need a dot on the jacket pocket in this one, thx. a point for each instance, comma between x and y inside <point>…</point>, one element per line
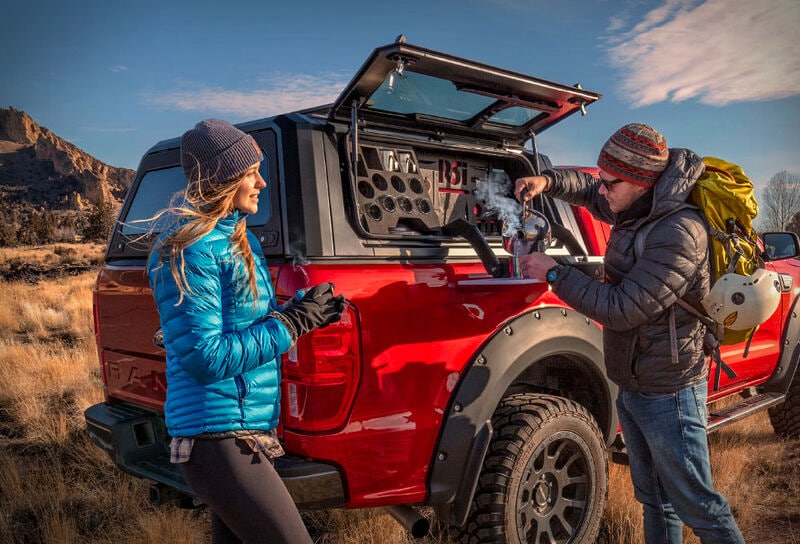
<point>673,337</point>
<point>621,351</point>
<point>632,354</point>
<point>241,391</point>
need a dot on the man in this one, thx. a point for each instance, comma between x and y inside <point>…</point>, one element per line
<point>654,348</point>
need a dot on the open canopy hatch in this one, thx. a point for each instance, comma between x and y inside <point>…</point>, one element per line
<point>411,88</point>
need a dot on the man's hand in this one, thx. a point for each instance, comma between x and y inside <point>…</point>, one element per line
<point>527,188</point>
<point>536,265</point>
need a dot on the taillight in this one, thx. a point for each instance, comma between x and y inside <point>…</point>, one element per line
<point>96,315</point>
<point>320,376</point>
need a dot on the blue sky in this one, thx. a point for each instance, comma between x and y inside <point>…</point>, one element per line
<point>721,77</point>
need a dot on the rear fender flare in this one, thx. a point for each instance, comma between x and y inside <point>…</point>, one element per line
<point>789,359</point>
<point>513,349</point>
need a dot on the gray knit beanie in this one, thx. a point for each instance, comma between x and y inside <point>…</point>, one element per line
<point>215,151</point>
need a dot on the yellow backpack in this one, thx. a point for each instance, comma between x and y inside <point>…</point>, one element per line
<point>726,198</point>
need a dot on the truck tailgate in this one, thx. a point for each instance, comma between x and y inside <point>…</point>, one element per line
<point>125,321</point>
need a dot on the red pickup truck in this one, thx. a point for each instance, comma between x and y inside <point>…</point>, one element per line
<point>447,383</point>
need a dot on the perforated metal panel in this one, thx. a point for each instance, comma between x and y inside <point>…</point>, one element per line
<point>390,190</point>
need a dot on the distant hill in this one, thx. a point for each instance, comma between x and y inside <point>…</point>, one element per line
<point>41,170</point>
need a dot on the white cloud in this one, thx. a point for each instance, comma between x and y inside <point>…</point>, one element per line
<point>280,93</point>
<point>119,68</point>
<point>617,22</point>
<point>717,52</point>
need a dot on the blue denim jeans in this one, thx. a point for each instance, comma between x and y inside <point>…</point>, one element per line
<point>665,435</point>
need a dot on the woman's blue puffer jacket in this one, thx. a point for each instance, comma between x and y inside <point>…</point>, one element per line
<point>223,354</point>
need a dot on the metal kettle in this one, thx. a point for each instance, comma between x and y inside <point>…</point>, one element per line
<point>533,235</point>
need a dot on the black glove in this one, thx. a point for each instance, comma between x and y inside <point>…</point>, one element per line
<point>318,308</point>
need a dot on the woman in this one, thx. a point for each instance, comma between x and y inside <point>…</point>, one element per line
<point>224,334</point>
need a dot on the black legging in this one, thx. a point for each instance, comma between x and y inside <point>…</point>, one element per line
<point>249,503</point>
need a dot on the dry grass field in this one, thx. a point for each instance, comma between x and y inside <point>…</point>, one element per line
<point>56,487</point>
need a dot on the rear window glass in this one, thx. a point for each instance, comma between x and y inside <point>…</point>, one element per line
<point>413,93</point>
<point>156,191</point>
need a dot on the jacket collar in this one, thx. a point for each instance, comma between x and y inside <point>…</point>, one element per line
<point>227,224</point>
<point>639,209</point>
<point>673,186</point>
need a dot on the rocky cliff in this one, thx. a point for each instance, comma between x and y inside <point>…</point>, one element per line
<point>37,168</point>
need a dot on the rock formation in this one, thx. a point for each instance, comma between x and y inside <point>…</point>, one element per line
<point>38,168</point>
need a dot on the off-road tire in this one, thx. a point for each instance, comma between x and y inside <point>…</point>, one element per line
<point>785,418</point>
<point>545,476</point>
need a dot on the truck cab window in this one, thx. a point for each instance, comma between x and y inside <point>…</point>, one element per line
<point>158,189</point>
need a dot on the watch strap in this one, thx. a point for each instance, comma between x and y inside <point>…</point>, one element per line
<point>552,274</point>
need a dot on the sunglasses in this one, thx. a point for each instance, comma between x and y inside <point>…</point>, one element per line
<point>610,184</point>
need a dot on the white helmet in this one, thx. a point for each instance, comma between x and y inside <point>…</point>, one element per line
<point>742,302</point>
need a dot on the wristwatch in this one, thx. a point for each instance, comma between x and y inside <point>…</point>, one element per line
<point>553,273</point>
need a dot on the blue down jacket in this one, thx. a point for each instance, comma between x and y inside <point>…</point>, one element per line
<point>651,344</point>
<point>223,354</point>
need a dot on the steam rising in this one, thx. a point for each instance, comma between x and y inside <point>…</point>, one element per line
<point>493,194</point>
<point>298,265</point>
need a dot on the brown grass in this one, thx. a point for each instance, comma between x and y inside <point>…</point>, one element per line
<point>757,472</point>
<point>54,253</point>
<point>57,487</point>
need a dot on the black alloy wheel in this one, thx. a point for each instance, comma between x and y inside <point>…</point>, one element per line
<point>545,477</point>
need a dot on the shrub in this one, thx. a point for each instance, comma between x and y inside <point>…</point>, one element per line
<point>99,221</point>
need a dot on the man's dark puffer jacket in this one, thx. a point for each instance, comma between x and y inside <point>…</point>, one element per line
<point>652,345</point>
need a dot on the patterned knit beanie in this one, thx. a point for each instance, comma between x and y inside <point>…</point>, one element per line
<point>636,153</point>
<point>215,151</point>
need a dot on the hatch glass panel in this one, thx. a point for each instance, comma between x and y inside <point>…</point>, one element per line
<point>420,94</point>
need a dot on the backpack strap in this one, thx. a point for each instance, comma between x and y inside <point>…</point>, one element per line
<point>711,343</point>
<point>641,236</point>
<point>644,230</point>
<point>716,357</point>
<point>730,241</point>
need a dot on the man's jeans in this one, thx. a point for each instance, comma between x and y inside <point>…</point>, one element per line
<point>665,435</point>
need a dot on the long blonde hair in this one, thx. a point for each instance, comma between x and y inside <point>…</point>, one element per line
<point>197,211</point>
